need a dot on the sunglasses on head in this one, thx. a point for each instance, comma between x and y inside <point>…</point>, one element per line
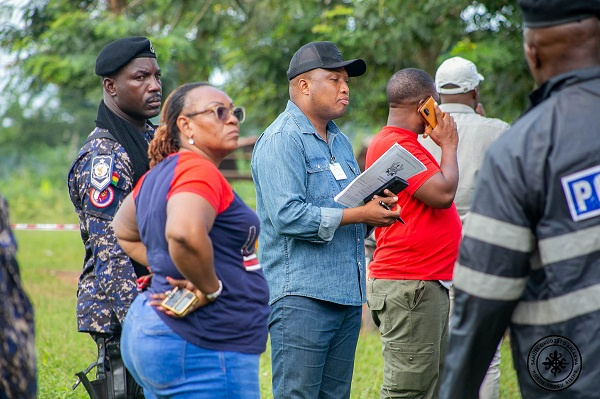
<point>222,112</point>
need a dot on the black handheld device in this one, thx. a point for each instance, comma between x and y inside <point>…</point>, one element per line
<point>395,185</point>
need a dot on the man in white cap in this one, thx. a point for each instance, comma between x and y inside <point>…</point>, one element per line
<point>457,82</point>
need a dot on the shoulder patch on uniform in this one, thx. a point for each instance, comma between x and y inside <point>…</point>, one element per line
<point>101,173</point>
<point>582,190</point>
<point>102,199</point>
<point>115,178</point>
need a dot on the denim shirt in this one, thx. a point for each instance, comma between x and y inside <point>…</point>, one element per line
<point>302,247</point>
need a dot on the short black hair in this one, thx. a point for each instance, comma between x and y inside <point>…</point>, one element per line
<point>409,85</point>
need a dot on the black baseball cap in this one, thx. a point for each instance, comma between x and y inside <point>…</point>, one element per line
<point>323,55</point>
<point>115,55</point>
<point>546,13</point>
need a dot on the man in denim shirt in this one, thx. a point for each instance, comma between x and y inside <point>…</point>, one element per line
<point>311,248</point>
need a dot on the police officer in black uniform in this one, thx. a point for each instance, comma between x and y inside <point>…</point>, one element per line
<point>106,169</point>
<point>530,258</point>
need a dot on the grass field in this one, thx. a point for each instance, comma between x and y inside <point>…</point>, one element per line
<point>50,263</point>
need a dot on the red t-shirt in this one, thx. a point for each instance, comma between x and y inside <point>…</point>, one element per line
<point>426,247</point>
<point>237,320</point>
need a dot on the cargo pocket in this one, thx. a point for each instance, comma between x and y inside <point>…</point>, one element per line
<point>409,367</point>
<point>376,304</point>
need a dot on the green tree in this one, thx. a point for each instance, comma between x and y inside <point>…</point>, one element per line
<point>249,43</point>
<point>494,44</point>
<point>51,99</point>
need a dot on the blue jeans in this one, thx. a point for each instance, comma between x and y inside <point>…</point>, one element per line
<point>167,366</point>
<point>312,347</point>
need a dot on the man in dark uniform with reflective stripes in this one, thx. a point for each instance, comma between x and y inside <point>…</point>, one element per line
<point>106,169</point>
<point>530,257</point>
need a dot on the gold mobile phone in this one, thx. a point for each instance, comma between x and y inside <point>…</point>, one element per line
<point>179,301</point>
<point>427,112</point>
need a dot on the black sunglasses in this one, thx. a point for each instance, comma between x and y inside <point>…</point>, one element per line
<point>222,112</point>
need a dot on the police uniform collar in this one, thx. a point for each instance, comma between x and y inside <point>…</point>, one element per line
<point>563,80</point>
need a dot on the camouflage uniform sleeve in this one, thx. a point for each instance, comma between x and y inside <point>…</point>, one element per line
<point>112,267</point>
<point>17,351</point>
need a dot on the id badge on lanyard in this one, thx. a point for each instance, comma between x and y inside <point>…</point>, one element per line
<point>337,171</point>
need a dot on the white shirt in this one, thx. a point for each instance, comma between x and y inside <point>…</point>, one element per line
<point>475,134</point>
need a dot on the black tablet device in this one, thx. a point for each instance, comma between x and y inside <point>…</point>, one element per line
<point>395,185</point>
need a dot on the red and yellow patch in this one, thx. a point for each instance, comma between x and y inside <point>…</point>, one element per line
<point>102,199</point>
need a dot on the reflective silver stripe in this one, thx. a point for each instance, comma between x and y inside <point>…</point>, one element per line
<point>568,246</point>
<point>488,286</point>
<point>501,234</point>
<point>559,309</point>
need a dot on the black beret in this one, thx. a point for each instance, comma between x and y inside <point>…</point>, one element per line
<point>545,13</point>
<point>115,55</point>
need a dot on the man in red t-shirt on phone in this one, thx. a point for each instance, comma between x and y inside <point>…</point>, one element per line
<point>412,266</point>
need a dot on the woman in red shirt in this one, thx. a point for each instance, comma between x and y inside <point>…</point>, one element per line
<point>184,220</point>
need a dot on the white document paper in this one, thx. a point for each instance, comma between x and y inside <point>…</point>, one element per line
<point>396,161</point>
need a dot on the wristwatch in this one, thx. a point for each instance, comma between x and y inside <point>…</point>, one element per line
<point>215,295</point>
